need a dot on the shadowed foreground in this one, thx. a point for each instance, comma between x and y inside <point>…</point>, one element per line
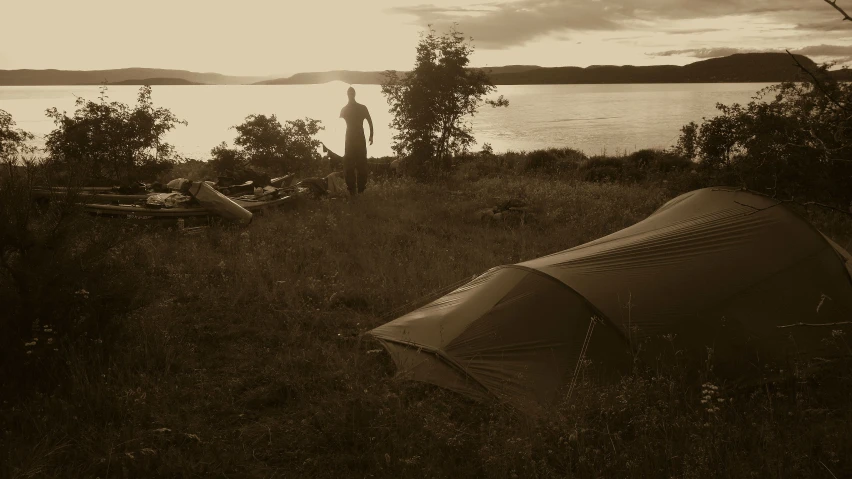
<point>243,359</point>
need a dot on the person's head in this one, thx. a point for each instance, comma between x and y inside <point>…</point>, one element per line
<point>351,93</point>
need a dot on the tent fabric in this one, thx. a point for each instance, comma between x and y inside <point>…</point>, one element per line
<point>715,268</point>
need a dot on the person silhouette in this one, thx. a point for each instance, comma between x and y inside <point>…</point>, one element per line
<point>355,152</point>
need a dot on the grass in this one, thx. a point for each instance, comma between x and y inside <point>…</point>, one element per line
<point>244,359</point>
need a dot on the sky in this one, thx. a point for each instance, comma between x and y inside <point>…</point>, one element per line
<point>282,37</point>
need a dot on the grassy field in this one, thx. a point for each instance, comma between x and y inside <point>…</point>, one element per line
<point>240,355</point>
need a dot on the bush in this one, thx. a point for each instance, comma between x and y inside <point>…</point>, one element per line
<point>642,165</point>
<point>110,142</point>
<point>13,142</point>
<point>601,169</point>
<point>266,145</point>
<point>658,161</point>
<point>796,144</point>
<point>196,170</point>
<point>541,160</point>
<point>553,160</point>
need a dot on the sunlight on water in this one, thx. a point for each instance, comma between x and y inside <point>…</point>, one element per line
<point>592,118</point>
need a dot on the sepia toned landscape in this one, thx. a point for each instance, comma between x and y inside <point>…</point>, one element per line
<point>413,283</point>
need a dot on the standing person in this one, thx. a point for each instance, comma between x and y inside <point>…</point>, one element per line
<point>355,154</point>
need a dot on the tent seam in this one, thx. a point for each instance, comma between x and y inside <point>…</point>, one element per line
<point>443,356</point>
<point>591,305</point>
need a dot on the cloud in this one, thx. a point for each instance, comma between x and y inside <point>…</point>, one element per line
<point>707,52</point>
<point>692,31</point>
<point>516,23</point>
<point>825,50</point>
<point>825,26</point>
<point>840,54</point>
<point>507,24</point>
<point>813,50</point>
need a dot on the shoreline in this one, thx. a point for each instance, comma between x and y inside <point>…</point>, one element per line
<point>749,82</point>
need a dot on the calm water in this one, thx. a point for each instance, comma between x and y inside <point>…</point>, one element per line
<point>591,118</point>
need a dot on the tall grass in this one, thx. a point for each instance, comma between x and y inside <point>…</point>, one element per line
<point>246,359</point>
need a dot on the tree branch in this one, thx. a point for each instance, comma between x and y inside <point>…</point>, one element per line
<point>809,203</point>
<point>805,204</point>
<point>817,82</point>
<point>840,323</point>
<point>833,3</point>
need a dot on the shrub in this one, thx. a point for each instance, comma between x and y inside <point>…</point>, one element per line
<point>110,142</point>
<point>543,160</point>
<point>796,144</point>
<point>263,143</point>
<point>189,168</point>
<point>13,141</point>
<point>657,161</point>
<point>601,168</point>
<point>553,160</point>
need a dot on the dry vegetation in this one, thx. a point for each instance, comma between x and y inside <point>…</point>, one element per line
<point>237,353</point>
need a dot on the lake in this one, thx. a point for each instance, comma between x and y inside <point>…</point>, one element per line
<point>591,118</point>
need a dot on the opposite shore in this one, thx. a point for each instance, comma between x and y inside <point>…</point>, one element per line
<point>737,68</point>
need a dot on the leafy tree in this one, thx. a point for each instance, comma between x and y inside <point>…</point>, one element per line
<point>13,142</point>
<point>432,103</point>
<point>793,140</point>
<point>112,142</point>
<point>267,145</point>
<point>686,143</point>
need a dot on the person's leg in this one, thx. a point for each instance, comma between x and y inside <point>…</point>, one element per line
<point>363,172</point>
<point>349,173</point>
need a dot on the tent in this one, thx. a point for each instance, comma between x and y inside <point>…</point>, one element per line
<point>716,268</point>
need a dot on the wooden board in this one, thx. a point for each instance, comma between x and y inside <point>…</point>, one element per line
<point>143,212</point>
<point>90,195</point>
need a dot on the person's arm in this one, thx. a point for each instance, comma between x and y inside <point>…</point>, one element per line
<point>370,121</point>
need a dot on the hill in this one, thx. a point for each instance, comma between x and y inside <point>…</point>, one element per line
<point>737,68</point>
<point>312,78</point>
<point>369,78</point>
<point>157,81</point>
<point>96,77</point>
<point>741,67</point>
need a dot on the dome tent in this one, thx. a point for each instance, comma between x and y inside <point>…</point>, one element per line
<point>716,268</point>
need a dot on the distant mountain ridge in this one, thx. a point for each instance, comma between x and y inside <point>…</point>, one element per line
<point>157,81</point>
<point>370,77</point>
<point>313,78</point>
<point>96,77</point>
<point>737,68</point>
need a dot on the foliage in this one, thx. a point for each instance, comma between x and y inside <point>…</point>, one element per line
<point>431,104</point>
<point>192,169</point>
<point>792,140</point>
<point>112,142</point>
<point>553,160</point>
<point>642,166</point>
<point>265,144</point>
<point>225,159</point>
<point>12,141</point>
<point>687,141</point>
